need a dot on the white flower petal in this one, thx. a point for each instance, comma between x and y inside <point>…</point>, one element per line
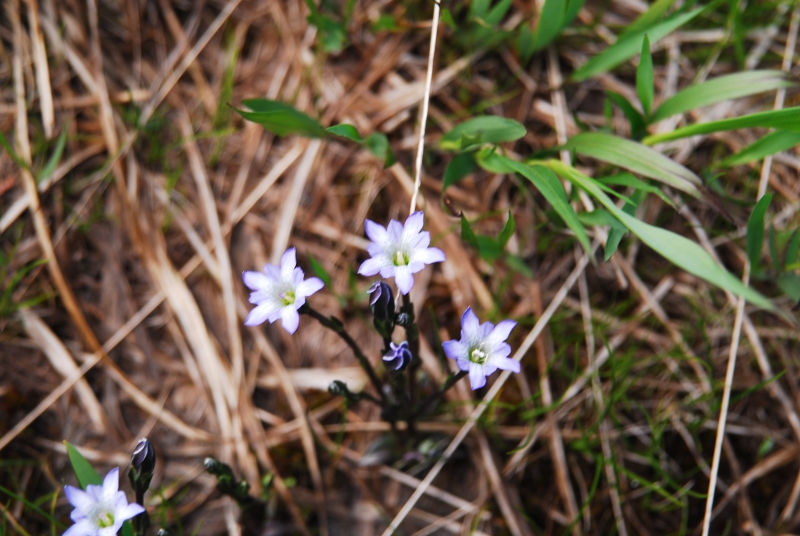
<point>414,224</point>
<point>469,325</point>
<point>82,528</point>
<point>297,276</point>
<point>415,266</point>
<point>506,363</point>
<point>388,270</point>
<point>395,232</point>
<point>371,266</point>
<point>464,364</point>
<point>256,280</point>
<point>421,241</point>
<point>376,233</point>
<point>308,287</point>
<point>375,250</point>
<point>403,279</point>
<point>82,501</point>
<point>260,314</point>
<point>477,378</point>
<point>290,319</point>
<point>272,272</point>
<point>500,333</point>
<point>429,255</point>
<point>455,349</point>
<point>129,511</point>
<point>109,531</point>
<point>288,264</point>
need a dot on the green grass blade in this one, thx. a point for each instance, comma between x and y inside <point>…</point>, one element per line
<point>55,158</point>
<point>635,157</point>
<point>551,21</point>
<point>644,77</point>
<point>479,130</point>
<point>755,231</point>
<point>650,17</point>
<point>629,44</point>
<point>635,119</point>
<point>787,119</point>
<point>346,131</point>
<point>280,118</point>
<point>546,182</point>
<point>677,249</point>
<point>731,86</point>
<point>507,232</point>
<point>772,143</point>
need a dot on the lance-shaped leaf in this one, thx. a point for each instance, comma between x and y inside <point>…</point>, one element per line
<point>479,130</point>
<point>280,118</point>
<point>755,232</point>
<point>644,77</point>
<point>772,143</point>
<point>731,86</point>
<point>677,249</point>
<point>635,157</point>
<point>788,119</point>
<point>629,44</point>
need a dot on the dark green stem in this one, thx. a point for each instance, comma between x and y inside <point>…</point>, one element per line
<point>336,325</point>
<point>451,381</point>
<point>412,336</point>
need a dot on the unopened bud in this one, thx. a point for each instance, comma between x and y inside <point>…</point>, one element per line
<point>143,458</point>
<point>381,304</point>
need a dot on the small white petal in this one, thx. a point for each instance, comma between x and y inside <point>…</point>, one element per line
<point>421,241</point>
<point>500,333</point>
<point>82,501</point>
<point>376,233</point>
<point>288,264</point>
<point>477,378</point>
<point>128,511</point>
<point>414,224</point>
<point>388,270</point>
<point>297,276</point>
<point>259,315</point>
<point>469,324</point>
<point>309,287</point>
<point>429,255</point>
<point>415,266</point>
<point>375,250</point>
<point>109,531</point>
<point>371,266</point>
<point>455,349</point>
<point>273,272</point>
<point>404,279</point>
<point>463,364</point>
<point>256,280</point>
<point>290,319</point>
<point>395,231</point>
<point>507,364</point>
<point>82,528</point>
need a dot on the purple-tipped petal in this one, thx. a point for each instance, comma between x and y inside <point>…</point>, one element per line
<point>273,272</point>
<point>477,378</point>
<point>470,323</point>
<point>290,319</point>
<point>371,266</point>
<point>395,231</point>
<point>455,349</point>
<point>288,264</point>
<point>259,315</point>
<point>309,287</point>
<point>429,255</point>
<point>82,528</point>
<point>506,363</point>
<point>414,223</point>
<point>376,233</point>
<point>500,333</point>
<point>78,498</point>
<point>129,511</point>
<point>256,280</point>
<point>404,279</point>
<point>422,241</point>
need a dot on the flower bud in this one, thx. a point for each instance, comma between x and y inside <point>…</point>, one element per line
<point>339,388</point>
<point>399,356</point>
<point>381,304</point>
<point>143,458</point>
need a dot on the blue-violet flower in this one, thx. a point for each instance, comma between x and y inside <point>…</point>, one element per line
<point>100,510</point>
<point>279,292</point>
<point>399,356</point>
<point>482,348</point>
<point>399,250</point>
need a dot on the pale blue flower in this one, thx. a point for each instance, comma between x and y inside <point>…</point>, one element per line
<point>399,250</point>
<point>482,348</point>
<point>399,356</point>
<point>279,292</point>
<point>100,510</point>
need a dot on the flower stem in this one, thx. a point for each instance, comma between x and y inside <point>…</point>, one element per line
<point>336,325</point>
<point>412,336</point>
<point>451,381</point>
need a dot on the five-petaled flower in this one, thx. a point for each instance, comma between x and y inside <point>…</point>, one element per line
<point>399,356</point>
<point>482,348</point>
<point>100,510</point>
<point>278,292</point>
<point>399,250</point>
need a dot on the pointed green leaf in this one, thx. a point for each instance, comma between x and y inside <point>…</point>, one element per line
<point>346,131</point>
<point>635,119</point>
<point>755,231</point>
<point>320,271</point>
<point>479,130</point>
<point>507,232</point>
<point>626,179</point>
<point>467,235</point>
<point>773,247</point>
<point>459,167</point>
<point>790,285</point>
<point>649,17</point>
<point>635,157</point>
<point>787,119</point>
<point>644,77</point>
<point>772,143</point>
<point>378,144</point>
<point>722,88</point>
<point>83,469</point>
<point>551,21</point>
<point>281,119</point>
<point>677,249</point>
<point>55,158</point>
<point>616,231</point>
<point>629,44</point>
<point>791,249</point>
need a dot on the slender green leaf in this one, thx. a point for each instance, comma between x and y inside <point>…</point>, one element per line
<point>755,231</point>
<point>346,131</point>
<point>773,247</point>
<point>677,249</point>
<point>12,153</point>
<point>616,231</point>
<point>629,44</point>
<point>635,119</point>
<point>772,143</point>
<point>790,285</point>
<point>791,249</point>
<point>459,167</point>
<point>507,232</point>
<point>635,157</point>
<point>378,144</point>
<point>644,77</point>
<point>320,271</point>
<point>626,179</point>
<point>649,17</point>
<point>479,130</point>
<point>54,159</point>
<point>280,118</point>
<point>551,22</point>
<point>546,182</point>
<point>722,88</point>
<point>83,469</point>
<point>525,48</point>
<point>467,235</point>
<point>787,119</point>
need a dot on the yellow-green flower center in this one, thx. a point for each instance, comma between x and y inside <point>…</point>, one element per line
<point>288,297</point>
<point>400,259</point>
<point>105,520</point>
<point>477,356</point>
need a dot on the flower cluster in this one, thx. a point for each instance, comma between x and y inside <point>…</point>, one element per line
<point>397,251</point>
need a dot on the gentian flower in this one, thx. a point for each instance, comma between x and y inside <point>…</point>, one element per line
<point>399,356</point>
<point>482,348</point>
<point>100,510</point>
<point>399,251</point>
<point>279,292</point>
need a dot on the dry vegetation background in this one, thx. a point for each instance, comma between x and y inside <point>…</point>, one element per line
<point>163,196</point>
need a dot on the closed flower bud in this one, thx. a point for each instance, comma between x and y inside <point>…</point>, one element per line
<point>144,457</point>
<point>381,304</point>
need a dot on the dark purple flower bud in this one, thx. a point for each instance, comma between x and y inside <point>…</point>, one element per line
<point>143,459</point>
<point>399,356</point>
<point>381,303</point>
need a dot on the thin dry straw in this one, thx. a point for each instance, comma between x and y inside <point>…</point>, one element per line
<point>425,99</point>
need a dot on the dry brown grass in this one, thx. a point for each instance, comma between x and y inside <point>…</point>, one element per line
<point>157,206</point>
